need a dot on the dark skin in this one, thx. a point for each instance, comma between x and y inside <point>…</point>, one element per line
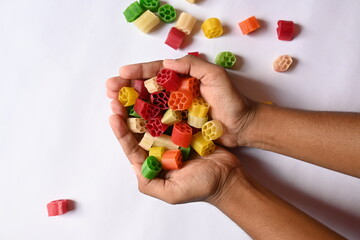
<point>219,178</point>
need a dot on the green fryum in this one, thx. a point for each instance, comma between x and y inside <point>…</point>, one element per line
<point>151,167</point>
<point>133,11</point>
<point>225,59</point>
<point>132,112</point>
<point>152,5</point>
<point>185,152</point>
<point>167,13</point>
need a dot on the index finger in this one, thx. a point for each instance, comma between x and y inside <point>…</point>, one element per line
<point>141,70</point>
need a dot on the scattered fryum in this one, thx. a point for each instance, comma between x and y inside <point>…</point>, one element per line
<point>285,30</point>
<point>57,207</point>
<point>174,121</point>
<point>225,59</point>
<point>212,28</point>
<point>249,25</point>
<point>282,63</point>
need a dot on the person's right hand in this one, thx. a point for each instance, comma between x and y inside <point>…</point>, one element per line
<point>235,111</point>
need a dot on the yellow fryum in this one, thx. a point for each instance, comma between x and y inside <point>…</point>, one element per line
<point>157,152</point>
<point>136,125</point>
<point>212,28</point>
<point>147,21</point>
<point>152,86</point>
<point>171,117</point>
<point>164,141</point>
<point>212,130</point>
<point>202,146</point>
<point>199,108</point>
<point>147,141</point>
<point>127,96</point>
<point>185,23</point>
<point>196,121</point>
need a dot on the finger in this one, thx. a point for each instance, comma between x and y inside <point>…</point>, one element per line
<point>141,70</point>
<point>112,94</point>
<point>127,140</point>
<point>118,108</point>
<point>114,84</point>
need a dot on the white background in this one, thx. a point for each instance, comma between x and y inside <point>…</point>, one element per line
<point>55,141</point>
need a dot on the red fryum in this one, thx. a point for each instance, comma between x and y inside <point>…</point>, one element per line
<point>141,89</point>
<point>285,30</point>
<point>180,101</point>
<point>190,84</point>
<point>57,207</point>
<point>155,127</point>
<point>168,79</point>
<point>181,134</point>
<point>160,99</point>
<point>175,38</point>
<point>146,110</point>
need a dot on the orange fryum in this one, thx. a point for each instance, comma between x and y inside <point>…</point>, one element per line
<point>249,25</point>
<point>190,85</point>
<point>171,159</point>
<point>180,100</point>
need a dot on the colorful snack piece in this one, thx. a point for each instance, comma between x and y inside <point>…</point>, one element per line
<point>167,13</point>
<point>147,141</point>
<point>147,21</point>
<point>249,25</point>
<point>196,54</point>
<point>127,96</point>
<point>164,141</point>
<point>139,86</point>
<point>285,30</point>
<point>57,207</point>
<point>171,159</point>
<point>202,146</point>
<point>225,59</point>
<point>133,11</point>
<point>191,85</point>
<point>151,167</point>
<point>152,5</point>
<point>171,117</point>
<point>199,108</point>
<point>152,85</point>
<point>174,38</point>
<point>136,125</point>
<point>181,134</point>
<point>185,23</point>
<point>196,122</point>
<point>157,152</point>
<point>132,112</point>
<point>282,63</point>
<point>212,130</point>
<point>168,79</point>
<point>146,110</point>
<point>185,152</point>
<point>212,28</point>
<point>155,127</point>
<point>179,101</point>
<point>160,99</point>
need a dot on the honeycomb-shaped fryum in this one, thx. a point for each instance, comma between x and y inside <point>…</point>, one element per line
<point>147,21</point>
<point>127,96</point>
<point>285,30</point>
<point>133,11</point>
<point>212,28</point>
<point>190,85</point>
<point>168,79</point>
<point>151,167</point>
<point>175,38</point>
<point>132,112</point>
<point>155,127</point>
<point>225,59</point>
<point>152,86</point>
<point>157,152</point>
<point>212,130</point>
<point>152,5</point>
<point>171,117</point>
<point>146,110</point>
<point>147,141</point>
<point>249,25</point>
<point>202,146</point>
<point>282,63</point>
<point>180,101</point>
<point>164,141</point>
<point>171,159</point>
<point>167,13</point>
<point>185,152</point>
<point>181,134</point>
<point>196,122</point>
<point>185,23</point>
<point>160,99</point>
<point>136,125</point>
<point>199,108</point>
